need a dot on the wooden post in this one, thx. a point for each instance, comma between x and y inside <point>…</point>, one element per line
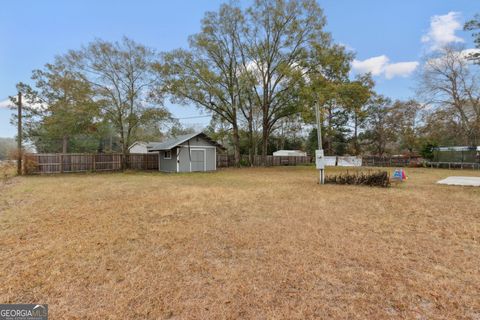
<point>93,163</point>
<point>61,163</point>
<point>19,135</point>
<point>321,178</point>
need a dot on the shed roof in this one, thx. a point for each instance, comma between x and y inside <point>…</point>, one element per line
<point>178,140</point>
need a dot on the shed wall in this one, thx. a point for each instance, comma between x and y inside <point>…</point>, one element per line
<point>197,141</point>
<point>168,165</point>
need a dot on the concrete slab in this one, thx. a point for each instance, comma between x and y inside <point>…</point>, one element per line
<point>461,181</point>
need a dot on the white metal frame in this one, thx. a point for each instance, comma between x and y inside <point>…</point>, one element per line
<point>178,160</point>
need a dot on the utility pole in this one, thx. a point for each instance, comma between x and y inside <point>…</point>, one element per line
<point>19,135</point>
<point>319,158</point>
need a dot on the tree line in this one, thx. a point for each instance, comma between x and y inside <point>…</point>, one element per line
<point>260,72</point>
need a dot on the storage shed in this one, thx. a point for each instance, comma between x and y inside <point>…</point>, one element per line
<point>187,153</point>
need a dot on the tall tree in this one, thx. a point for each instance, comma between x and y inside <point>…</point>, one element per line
<point>327,85</point>
<point>59,108</point>
<point>355,96</point>
<point>279,36</point>
<point>379,127</point>
<point>406,121</point>
<point>122,77</point>
<point>208,74</point>
<point>69,107</point>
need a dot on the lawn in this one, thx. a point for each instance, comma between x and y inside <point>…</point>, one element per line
<point>264,243</point>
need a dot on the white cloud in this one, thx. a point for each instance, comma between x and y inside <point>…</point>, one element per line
<point>401,69</point>
<point>374,65</point>
<point>381,65</point>
<point>467,53</point>
<point>346,46</point>
<point>5,104</point>
<point>442,30</point>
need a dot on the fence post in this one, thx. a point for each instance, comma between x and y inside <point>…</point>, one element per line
<point>93,163</point>
<point>61,163</point>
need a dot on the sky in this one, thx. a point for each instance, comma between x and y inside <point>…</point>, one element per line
<point>389,38</point>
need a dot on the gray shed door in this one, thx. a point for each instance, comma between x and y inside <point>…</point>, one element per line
<point>198,160</point>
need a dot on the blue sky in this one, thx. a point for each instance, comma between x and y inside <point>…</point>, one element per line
<point>388,37</point>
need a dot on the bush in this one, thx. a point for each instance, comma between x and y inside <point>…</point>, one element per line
<point>427,150</point>
<point>244,163</point>
<point>29,165</point>
<point>373,179</point>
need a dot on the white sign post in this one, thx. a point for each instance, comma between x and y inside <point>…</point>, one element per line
<point>320,164</point>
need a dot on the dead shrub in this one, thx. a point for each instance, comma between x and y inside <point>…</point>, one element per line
<point>373,179</point>
<point>7,170</point>
<point>29,164</point>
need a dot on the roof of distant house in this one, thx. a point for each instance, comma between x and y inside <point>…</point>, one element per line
<point>143,143</point>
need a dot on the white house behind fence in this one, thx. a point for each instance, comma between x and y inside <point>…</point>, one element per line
<point>138,147</point>
<point>289,153</point>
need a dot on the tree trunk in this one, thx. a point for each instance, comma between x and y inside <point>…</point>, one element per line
<point>250,137</point>
<point>355,136</point>
<point>236,145</point>
<point>123,142</point>
<point>328,133</point>
<point>264,144</point>
<point>65,144</point>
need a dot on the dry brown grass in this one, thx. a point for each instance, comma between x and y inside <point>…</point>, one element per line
<point>7,171</point>
<point>246,243</point>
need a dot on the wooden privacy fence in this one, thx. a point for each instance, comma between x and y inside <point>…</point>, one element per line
<point>37,163</point>
<point>224,160</point>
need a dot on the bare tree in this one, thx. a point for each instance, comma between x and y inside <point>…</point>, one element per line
<point>122,77</point>
<point>450,82</point>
